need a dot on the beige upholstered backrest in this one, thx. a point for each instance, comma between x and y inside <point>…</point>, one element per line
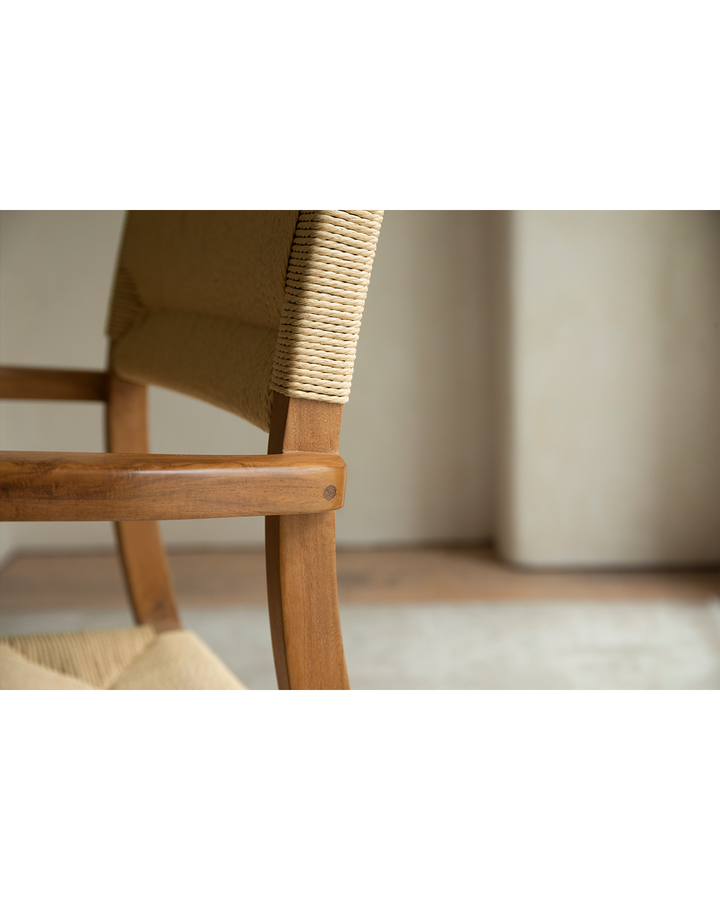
<point>229,306</point>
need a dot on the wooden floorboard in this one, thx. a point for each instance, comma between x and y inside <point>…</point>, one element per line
<point>389,575</point>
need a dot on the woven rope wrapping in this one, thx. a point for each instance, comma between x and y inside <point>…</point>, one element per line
<point>327,281</point>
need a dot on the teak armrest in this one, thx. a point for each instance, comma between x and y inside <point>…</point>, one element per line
<point>118,487</point>
<point>20,383</point>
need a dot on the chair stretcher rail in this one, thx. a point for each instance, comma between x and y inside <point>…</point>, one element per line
<point>20,383</point>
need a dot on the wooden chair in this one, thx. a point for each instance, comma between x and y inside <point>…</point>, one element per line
<point>255,312</point>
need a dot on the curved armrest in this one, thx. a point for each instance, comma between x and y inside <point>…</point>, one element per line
<point>118,487</point>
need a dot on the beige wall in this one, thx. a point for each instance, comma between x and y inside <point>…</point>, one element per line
<point>611,362</point>
<point>417,432</point>
<point>416,435</point>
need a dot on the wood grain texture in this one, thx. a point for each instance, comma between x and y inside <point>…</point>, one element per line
<point>20,383</point>
<point>302,580</point>
<point>116,487</point>
<point>304,425</point>
<point>142,554</point>
<point>300,559</point>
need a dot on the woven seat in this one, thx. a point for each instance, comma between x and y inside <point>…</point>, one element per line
<point>116,659</point>
<point>257,313</point>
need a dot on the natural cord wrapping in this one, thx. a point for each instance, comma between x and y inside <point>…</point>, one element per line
<point>327,282</point>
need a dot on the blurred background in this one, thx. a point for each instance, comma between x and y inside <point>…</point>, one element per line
<point>541,389</point>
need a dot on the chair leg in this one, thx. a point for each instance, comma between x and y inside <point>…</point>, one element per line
<point>146,575</point>
<point>300,558</point>
<point>303,602</point>
<point>141,550</point>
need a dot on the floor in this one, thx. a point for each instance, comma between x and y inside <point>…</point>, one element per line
<point>417,618</point>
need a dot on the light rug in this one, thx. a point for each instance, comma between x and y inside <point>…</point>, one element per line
<point>520,644</point>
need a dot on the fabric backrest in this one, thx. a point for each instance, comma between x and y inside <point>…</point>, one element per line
<point>228,306</point>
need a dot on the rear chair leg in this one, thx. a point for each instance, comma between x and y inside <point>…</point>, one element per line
<point>141,550</point>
